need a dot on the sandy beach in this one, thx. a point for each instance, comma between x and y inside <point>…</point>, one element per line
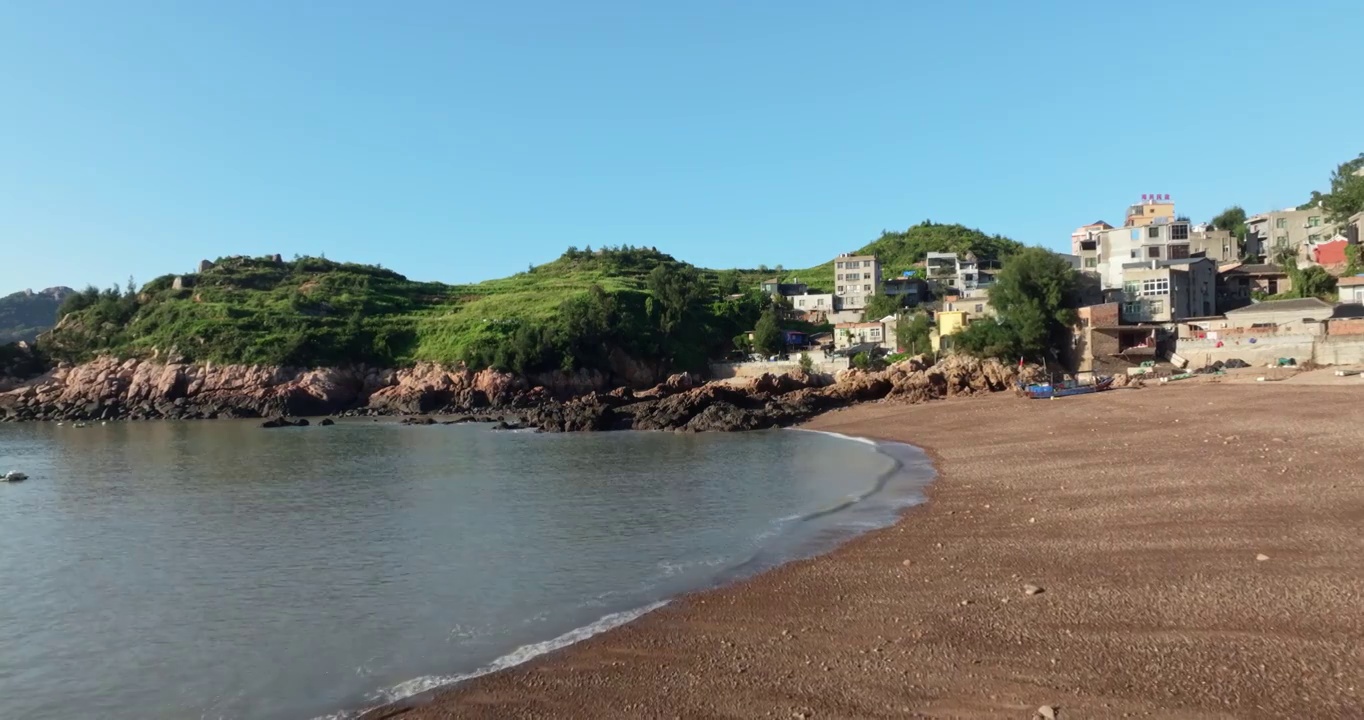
<point>1199,551</point>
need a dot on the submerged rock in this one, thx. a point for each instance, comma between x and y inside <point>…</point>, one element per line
<point>15,476</point>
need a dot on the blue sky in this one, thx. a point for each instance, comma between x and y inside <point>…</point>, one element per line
<point>459,141</point>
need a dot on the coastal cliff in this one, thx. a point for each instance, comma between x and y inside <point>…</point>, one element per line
<point>112,389</point>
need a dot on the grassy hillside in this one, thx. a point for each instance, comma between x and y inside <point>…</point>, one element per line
<point>24,315</point>
<point>313,311</point>
<point>899,251</point>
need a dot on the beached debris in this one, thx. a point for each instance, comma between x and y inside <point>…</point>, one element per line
<point>15,476</point>
<point>1046,711</point>
<point>1031,589</point>
<point>1261,557</point>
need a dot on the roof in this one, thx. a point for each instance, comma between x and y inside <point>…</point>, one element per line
<point>1281,305</point>
<point>1352,281</point>
<point>1183,261</point>
<point>1254,269</point>
<point>1348,310</point>
<point>857,325</point>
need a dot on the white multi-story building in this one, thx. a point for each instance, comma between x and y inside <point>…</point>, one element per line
<point>856,279</point>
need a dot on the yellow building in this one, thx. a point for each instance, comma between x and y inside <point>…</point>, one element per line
<point>1153,208</point>
<point>949,323</point>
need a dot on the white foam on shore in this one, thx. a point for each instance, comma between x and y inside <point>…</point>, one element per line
<point>854,438</point>
<point>525,653</point>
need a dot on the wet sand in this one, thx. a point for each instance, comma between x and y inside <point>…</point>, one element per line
<point>1141,514</point>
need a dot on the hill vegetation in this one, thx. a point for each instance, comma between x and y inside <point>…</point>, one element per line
<point>585,310</point>
<point>25,314</point>
<point>900,251</point>
<point>574,312</point>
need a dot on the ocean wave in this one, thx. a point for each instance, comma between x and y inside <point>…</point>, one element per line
<point>426,683</point>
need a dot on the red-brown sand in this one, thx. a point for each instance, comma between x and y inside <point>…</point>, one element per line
<point>1200,551</point>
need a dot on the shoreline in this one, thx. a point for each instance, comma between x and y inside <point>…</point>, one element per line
<point>1143,608</point>
<point>894,502</point>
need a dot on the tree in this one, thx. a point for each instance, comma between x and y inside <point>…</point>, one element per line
<point>1347,191</point>
<point>677,289</point>
<point>1034,296</point>
<point>806,362</point>
<point>727,282</point>
<point>861,361</point>
<point>879,306</point>
<point>912,333</point>
<point>1314,282</point>
<point>1233,220</point>
<point>767,336</point>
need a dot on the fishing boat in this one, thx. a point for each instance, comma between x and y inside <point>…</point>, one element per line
<point>1066,388</point>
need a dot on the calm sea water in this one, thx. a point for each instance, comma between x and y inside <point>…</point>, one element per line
<point>219,570</point>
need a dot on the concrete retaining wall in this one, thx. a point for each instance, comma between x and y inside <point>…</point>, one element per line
<point>1327,350</point>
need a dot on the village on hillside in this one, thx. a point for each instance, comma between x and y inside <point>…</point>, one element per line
<point>1160,292</point>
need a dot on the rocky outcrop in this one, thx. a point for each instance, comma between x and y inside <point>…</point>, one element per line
<point>110,389</point>
<point>772,400</point>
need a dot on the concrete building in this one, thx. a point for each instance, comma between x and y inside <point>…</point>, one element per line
<point>910,290</point>
<point>976,305</point>
<point>965,273</point>
<point>1086,233</point>
<point>1153,208</point>
<point>1238,283</point>
<point>1280,313</point>
<point>1330,252</point>
<point>847,335</point>
<point>1165,291</point>
<point>813,303</point>
<point>946,323</point>
<point>1351,289</point>
<point>1268,234</point>
<point>775,286</point>
<point>856,279</point>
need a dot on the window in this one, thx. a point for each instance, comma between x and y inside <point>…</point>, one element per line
<point>1281,223</point>
<point>1153,251</point>
<point>800,302</point>
<point>980,308</point>
<point>1281,241</point>
<point>1136,233</point>
<point>875,334</point>
<point>1178,252</point>
<point>1150,211</point>
<point>1131,289</point>
<point>1132,308</point>
<point>866,263</point>
<point>841,289</point>
<point>1153,231</point>
<point>1157,307</point>
<point>866,288</point>
<point>840,277</point>
<point>1179,231</point>
<point>1314,221</point>
<point>1314,237</point>
<point>838,265</point>
<point>1091,262</point>
<point>819,302</point>
<point>1160,286</point>
<point>1135,255</point>
<point>853,277</point>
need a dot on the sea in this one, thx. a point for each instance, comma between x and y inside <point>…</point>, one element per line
<point>218,570</point>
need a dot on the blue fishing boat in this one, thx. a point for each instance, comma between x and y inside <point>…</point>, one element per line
<point>1066,388</point>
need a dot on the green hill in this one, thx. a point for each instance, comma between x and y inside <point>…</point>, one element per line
<point>23,315</point>
<point>569,313</point>
<point>899,251</point>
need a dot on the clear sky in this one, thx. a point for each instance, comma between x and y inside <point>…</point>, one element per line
<point>459,141</point>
